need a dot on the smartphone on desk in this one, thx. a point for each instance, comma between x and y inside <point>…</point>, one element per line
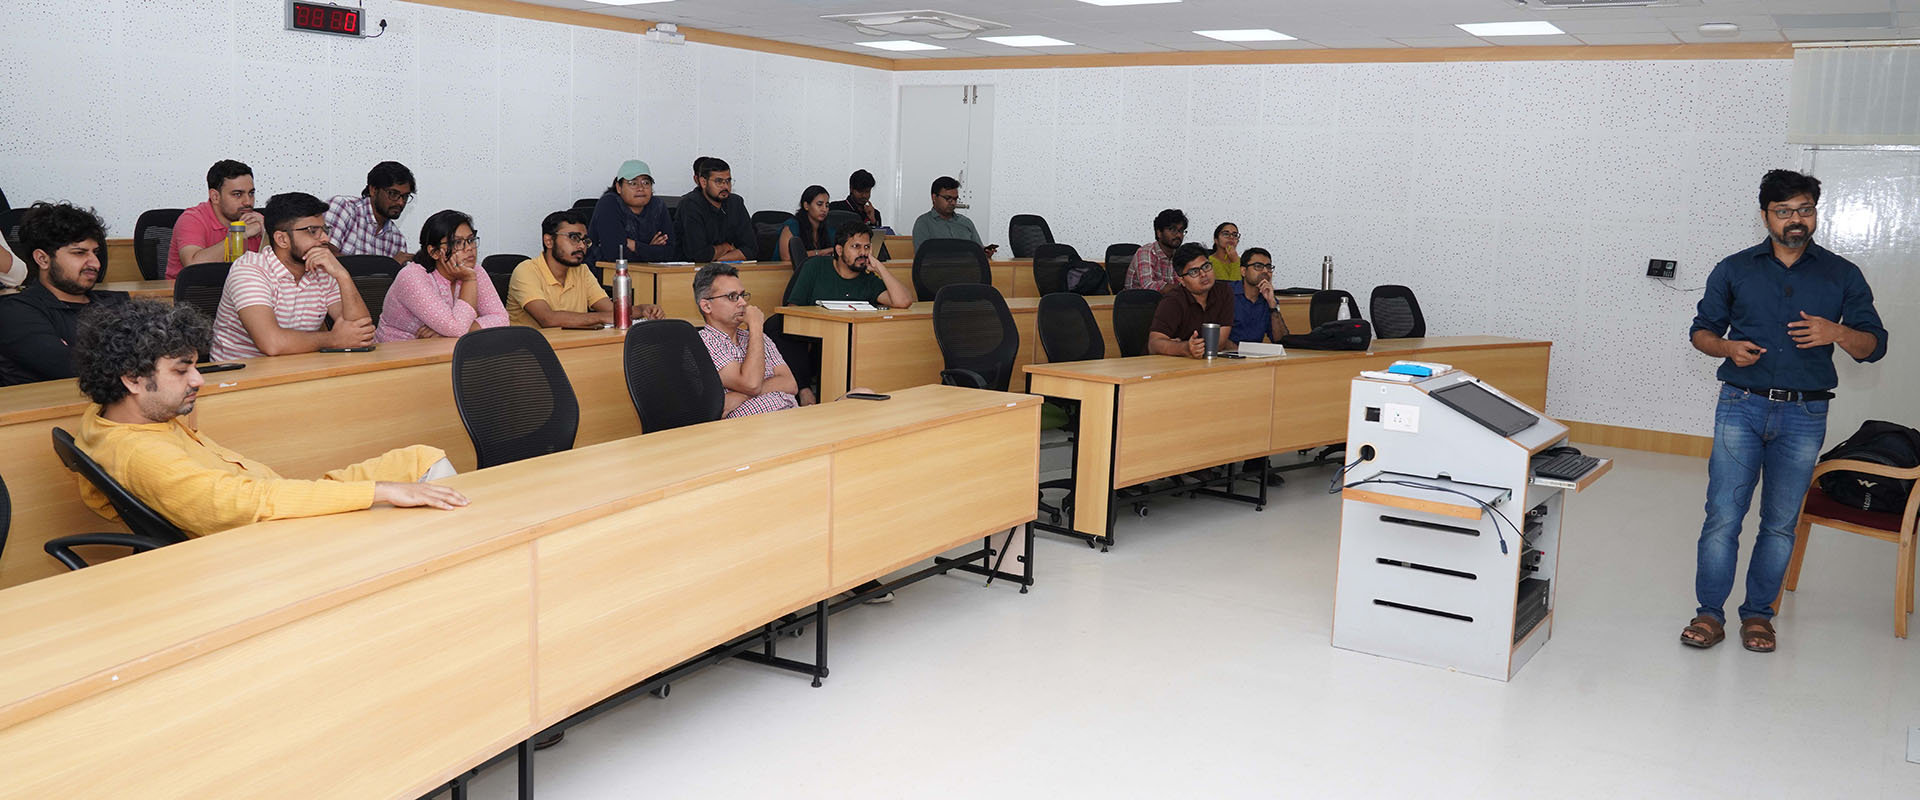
<point>361,349</point>
<point>867,396</point>
<point>221,367</point>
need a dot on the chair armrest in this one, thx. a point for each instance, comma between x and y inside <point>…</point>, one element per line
<point>963,377</point>
<point>62,548</point>
<point>1868,467</point>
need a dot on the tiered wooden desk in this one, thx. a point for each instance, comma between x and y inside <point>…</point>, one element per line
<point>1153,416</point>
<point>378,654</point>
<point>302,415</point>
<point>161,290</point>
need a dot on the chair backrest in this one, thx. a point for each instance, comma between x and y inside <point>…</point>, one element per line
<point>1050,264</point>
<point>1328,305</point>
<point>673,207</point>
<point>358,266</point>
<point>152,233</point>
<point>975,332</point>
<point>839,218</point>
<point>502,283</point>
<point>766,227</point>
<point>1119,258</point>
<point>199,285</point>
<point>670,376</point>
<point>10,228</point>
<point>513,396</point>
<point>797,255</point>
<point>6,515</point>
<point>373,292</point>
<point>940,262</point>
<point>1132,318</point>
<point>1068,331</point>
<point>771,217</point>
<point>586,203</point>
<point>1395,313</point>
<point>1026,232</point>
<point>502,263</point>
<point>138,516</point>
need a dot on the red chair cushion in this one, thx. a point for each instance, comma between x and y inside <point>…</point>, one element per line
<point>1820,505</point>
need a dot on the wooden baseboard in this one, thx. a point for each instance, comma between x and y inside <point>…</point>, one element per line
<point>1683,444</point>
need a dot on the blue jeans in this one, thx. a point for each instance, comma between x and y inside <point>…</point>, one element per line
<point>1753,436</point>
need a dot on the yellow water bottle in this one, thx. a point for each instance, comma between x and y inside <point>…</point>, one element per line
<point>236,240</point>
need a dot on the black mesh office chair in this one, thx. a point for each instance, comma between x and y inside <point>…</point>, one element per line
<point>6,514</point>
<point>1328,305</point>
<point>199,285</point>
<point>1119,258</point>
<point>1025,234</point>
<point>1396,313</point>
<point>586,203</point>
<point>976,335</point>
<point>373,292</point>
<point>502,263</point>
<point>1132,318</point>
<point>670,376</point>
<point>1051,262</point>
<point>673,207</point>
<point>941,262</point>
<point>1068,332</point>
<point>150,531</point>
<point>363,265</point>
<point>10,228</point>
<point>767,226</point>
<point>152,234</point>
<point>3,202</point>
<point>513,397</point>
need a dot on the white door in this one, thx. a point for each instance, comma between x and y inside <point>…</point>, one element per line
<point>946,130</point>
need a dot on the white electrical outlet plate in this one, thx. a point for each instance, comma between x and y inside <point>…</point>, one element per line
<point>1401,417</point>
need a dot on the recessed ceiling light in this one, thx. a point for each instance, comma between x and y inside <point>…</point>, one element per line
<point>1719,29</point>
<point>625,2</point>
<point>1126,2</point>
<point>1026,41</point>
<point>900,45</point>
<point>1247,35</point>
<point>1510,28</point>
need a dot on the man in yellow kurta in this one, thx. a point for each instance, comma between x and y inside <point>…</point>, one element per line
<point>137,364</point>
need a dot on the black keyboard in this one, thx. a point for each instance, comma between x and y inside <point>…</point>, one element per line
<point>1565,467</point>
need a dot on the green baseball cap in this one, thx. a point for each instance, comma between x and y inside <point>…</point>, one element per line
<point>633,168</point>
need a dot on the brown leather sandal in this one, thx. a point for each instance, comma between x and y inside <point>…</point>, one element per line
<point>1709,629</point>
<point>1756,634</point>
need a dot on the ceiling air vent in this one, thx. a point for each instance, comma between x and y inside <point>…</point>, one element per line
<point>1564,4</point>
<point>924,22</point>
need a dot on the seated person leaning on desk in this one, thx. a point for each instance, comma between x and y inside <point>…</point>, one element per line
<point>277,301</point>
<point>441,293</point>
<point>851,274</point>
<point>1256,314</point>
<point>756,378</point>
<point>136,361</point>
<point>37,325</point>
<point>1194,298</point>
<point>556,289</point>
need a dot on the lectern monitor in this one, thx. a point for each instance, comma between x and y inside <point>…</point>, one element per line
<point>1490,410</point>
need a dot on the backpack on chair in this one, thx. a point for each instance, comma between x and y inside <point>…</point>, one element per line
<point>1087,278</point>
<point>1876,442</point>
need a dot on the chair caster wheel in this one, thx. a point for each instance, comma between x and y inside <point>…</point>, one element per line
<point>795,633</point>
<point>1091,544</point>
<point>1140,511</point>
<point>1053,518</point>
<point>663,690</point>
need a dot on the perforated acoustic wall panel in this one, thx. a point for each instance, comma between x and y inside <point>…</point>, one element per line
<point>122,105</point>
<point>1521,198</point>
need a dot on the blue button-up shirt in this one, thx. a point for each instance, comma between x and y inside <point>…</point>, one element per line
<point>1252,319</point>
<point>1751,296</point>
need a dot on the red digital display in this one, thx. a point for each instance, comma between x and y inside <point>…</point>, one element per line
<point>323,18</point>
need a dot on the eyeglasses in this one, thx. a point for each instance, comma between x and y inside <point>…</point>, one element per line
<point>469,243</point>
<point>951,198</point>
<point>1197,272</point>
<point>1789,213</point>
<point>1256,265</point>
<point>313,230</point>
<point>391,193</point>
<point>721,181</point>
<point>732,297</point>
<point>576,238</point>
<point>1230,235</point>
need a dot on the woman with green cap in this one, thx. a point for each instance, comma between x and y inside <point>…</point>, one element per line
<point>629,220</point>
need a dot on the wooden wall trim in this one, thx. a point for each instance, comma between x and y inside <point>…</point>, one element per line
<point>1656,52</point>
<point>587,19</point>
<point>1681,444</point>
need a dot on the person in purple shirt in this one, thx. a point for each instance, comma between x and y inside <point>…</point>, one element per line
<point>629,220</point>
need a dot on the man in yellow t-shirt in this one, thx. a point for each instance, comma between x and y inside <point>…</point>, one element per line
<point>556,289</point>
<point>136,361</point>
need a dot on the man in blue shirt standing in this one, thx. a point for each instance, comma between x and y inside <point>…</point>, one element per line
<point>1774,312</point>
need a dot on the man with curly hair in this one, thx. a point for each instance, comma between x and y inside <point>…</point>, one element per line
<point>136,362</point>
<point>37,325</point>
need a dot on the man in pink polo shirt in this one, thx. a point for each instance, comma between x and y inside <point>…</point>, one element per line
<point>277,301</point>
<point>200,235</point>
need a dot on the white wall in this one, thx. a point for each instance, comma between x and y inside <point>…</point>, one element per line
<point>1516,198</point>
<point>503,118</point>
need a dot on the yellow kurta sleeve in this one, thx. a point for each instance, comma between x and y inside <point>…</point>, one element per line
<point>404,465</point>
<point>202,500</point>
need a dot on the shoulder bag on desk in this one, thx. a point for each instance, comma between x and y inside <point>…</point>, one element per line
<point>1340,334</point>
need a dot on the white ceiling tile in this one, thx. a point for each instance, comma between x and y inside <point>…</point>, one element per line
<point>1601,39</point>
<point>1623,25</point>
<point>1533,41</point>
<point>1745,35</point>
<point>1840,34</point>
<point>1358,43</point>
<point>1442,41</point>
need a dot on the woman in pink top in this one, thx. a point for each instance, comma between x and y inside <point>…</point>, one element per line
<point>441,293</point>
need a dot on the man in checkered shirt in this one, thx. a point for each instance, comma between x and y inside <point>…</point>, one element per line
<point>756,378</point>
<point>368,225</point>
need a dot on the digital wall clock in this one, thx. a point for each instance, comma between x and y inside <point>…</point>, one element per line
<point>325,18</point>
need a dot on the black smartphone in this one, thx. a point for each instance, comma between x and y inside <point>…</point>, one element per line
<point>361,349</point>
<point>1231,354</point>
<point>222,367</point>
<point>867,396</point>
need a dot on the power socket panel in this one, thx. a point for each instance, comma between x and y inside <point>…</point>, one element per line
<point>1661,268</point>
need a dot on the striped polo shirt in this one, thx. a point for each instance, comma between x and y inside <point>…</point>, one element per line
<point>259,279</point>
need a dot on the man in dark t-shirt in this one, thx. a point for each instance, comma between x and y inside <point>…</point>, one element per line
<point>851,274</point>
<point>1195,298</point>
<point>37,325</point>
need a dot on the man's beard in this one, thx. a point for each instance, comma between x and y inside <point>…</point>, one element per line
<point>1794,236</point>
<point>66,284</point>
<point>570,262</point>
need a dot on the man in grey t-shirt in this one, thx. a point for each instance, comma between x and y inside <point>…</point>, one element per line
<point>945,223</point>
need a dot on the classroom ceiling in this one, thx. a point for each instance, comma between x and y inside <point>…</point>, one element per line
<point>1314,23</point>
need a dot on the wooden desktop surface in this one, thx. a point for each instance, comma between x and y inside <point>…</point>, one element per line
<point>670,286</point>
<point>301,414</point>
<point>380,653</point>
<point>1138,417</point>
<point>161,290</point>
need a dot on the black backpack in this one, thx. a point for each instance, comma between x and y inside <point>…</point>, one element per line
<point>1087,278</point>
<point>1876,442</point>
<point>1340,334</point>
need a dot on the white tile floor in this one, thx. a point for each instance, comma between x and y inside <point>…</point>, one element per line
<point>1193,661</point>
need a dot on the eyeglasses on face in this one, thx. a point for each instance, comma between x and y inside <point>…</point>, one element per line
<point>468,243</point>
<point>1790,213</point>
<point>1257,265</point>
<point>1197,272</point>
<point>576,238</point>
<point>951,198</point>
<point>395,194</point>
<point>1229,234</point>
<point>732,297</point>
<point>313,230</point>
